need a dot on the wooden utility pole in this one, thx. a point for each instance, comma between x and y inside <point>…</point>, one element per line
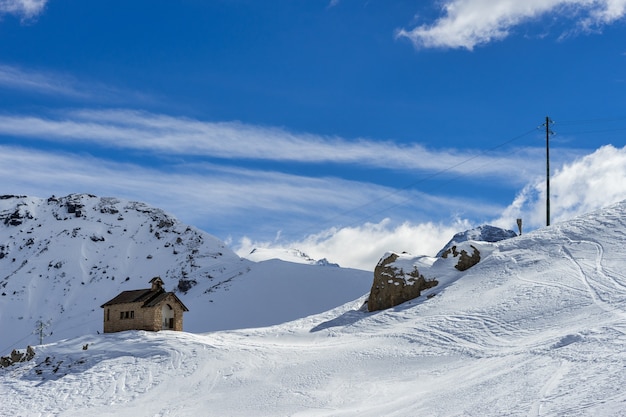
<point>548,133</point>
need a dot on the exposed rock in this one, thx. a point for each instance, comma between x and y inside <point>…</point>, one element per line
<point>17,217</point>
<point>466,261</point>
<point>485,233</point>
<point>326,262</point>
<point>5,361</point>
<point>16,356</point>
<point>185,285</point>
<point>393,286</point>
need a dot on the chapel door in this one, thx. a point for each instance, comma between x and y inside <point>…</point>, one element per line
<point>167,312</point>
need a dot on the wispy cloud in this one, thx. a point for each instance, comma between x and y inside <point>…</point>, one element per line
<point>349,222</point>
<point>587,184</point>
<point>24,9</point>
<point>213,189</point>
<point>229,201</point>
<point>469,23</point>
<point>52,83</point>
<point>43,83</point>
<point>162,134</point>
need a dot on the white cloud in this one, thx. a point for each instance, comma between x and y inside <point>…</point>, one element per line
<point>468,23</point>
<point>212,190</point>
<point>59,84</point>
<point>235,200</point>
<point>587,184</point>
<point>161,134</point>
<point>362,246</point>
<point>25,9</point>
<point>610,11</point>
<point>244,201</point>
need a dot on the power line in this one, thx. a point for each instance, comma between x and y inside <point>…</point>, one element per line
<point>417,182</point>
<point>592,121</point>
<point>6,349</point>
<point>596,131</point>
<point>549,133</point>
<point>406,200</point>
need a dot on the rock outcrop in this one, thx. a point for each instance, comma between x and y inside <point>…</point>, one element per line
<point>484,233</point>
<point>392,285</point>
<point>466,261</point>
<point>16,356</point>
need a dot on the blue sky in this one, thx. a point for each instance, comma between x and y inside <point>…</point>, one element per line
<point>344,128</point>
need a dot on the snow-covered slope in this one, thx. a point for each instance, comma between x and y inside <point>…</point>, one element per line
<point>288,255</point>
<point>62,258</point>
<point>537,328</point>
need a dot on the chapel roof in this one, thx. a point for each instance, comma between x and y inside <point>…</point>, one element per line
<point>150,297</point>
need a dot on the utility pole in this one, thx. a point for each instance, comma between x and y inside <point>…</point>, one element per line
<point>39,328</point>
<point>548,133</point>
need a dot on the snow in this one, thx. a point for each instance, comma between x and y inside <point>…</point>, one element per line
<point>288,255</point>
<point>537,328</point>
<point>484,233</point>
<point>59,266</point>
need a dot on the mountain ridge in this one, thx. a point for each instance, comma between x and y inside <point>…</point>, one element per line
<point>62,257</point>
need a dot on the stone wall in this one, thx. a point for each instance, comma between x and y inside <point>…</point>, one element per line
<point>143,318</point>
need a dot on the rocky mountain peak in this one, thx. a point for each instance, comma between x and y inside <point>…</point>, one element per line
<point>484,233</point>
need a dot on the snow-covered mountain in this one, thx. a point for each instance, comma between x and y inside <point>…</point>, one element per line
<point>484,233</point>
<point>62,258</point>
<point>288,255</point>
<point>537,328</point>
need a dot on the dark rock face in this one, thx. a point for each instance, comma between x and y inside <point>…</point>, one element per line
<point>485,233</point>
<point>393,286</point>
<point>17,217</point>
<point>466,261</point>
<point>185,285</point>
<point>16,356</point>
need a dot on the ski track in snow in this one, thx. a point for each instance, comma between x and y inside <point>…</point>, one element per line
<point>538,328</point>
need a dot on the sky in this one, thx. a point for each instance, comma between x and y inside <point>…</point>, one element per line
<point>343,128</point>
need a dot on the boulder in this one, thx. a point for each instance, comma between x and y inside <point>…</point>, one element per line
<point>392,285</point>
